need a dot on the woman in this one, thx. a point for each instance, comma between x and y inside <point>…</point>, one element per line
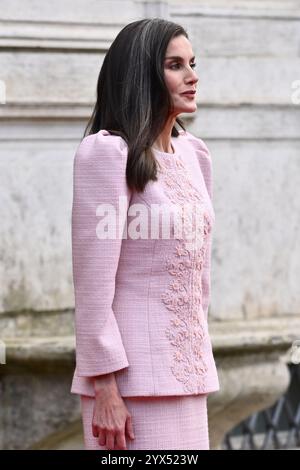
<point>144,362</point>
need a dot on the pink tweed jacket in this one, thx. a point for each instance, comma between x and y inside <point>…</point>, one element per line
<point>141,298</point>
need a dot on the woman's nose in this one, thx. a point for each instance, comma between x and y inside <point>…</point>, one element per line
<point>193,77</point>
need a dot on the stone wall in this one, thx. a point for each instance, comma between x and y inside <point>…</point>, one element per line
<point>248,60</point>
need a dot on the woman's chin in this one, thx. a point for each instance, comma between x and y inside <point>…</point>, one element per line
<point>189,109</point>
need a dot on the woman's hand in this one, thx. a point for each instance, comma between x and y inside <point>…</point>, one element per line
<point>111,420</point>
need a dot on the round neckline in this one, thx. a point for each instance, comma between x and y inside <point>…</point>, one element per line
<point>168,154</point>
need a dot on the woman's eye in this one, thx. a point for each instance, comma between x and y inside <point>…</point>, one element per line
<point>178,65</point>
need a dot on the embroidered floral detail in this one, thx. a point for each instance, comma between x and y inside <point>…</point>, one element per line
<point>183,297</point>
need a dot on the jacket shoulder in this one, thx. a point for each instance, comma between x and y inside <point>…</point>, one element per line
<point>199,145</point>
<point>101,144</point>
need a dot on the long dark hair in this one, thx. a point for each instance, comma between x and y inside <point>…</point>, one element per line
<point>132,98</point>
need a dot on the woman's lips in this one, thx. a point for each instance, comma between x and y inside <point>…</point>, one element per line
<point>188,95</point>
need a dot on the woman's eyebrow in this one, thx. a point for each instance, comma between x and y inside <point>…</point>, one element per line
<point>177,57</point>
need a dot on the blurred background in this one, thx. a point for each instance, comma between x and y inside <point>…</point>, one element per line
<point>248,62</point>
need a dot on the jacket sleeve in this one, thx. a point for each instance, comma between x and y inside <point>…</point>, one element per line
<point>99,177</point>
<point>205,163</point>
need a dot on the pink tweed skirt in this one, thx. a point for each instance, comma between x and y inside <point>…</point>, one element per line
<point>159,423</point>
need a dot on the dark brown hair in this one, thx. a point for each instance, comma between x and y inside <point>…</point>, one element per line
<point>132,98</point>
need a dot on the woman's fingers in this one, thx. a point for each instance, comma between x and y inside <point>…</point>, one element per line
<point>111,422</point>
<point>121,441</point>
<point>102,438</point>
<point>129,427</point>
<point>100,434</point>
<point>110,440</point>
<point>95,430</point>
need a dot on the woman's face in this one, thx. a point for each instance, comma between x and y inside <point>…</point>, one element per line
<point>180,75</point>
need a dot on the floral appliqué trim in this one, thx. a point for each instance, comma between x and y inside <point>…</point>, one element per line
<point>183,297</point>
